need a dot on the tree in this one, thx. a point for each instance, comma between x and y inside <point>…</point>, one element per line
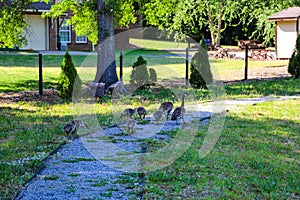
<point>189,17</point>
<point>257,12</point>
<point>294,62</point>
<point>201,75</point>
<point>139,75</point>
<point>66,81</point>
<point>96,19</point>
<point>13,24</point>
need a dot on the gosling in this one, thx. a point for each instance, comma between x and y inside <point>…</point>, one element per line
<point>166,107</point>
<point>73,126</point>
<point>158,115</point>
<point>141,112</point>
<point>128,113</point>
<point>130,125</point>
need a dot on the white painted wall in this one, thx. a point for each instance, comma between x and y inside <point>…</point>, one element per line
<point>286,38</point>
<point>36,33</point>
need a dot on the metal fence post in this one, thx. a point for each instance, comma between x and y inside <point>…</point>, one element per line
<point>121,65</point>
<point>40,74</point>
<point>246,62</point>
<point>187,66</point>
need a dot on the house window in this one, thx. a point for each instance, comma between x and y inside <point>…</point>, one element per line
<point>81,39</point>
<point>65,33</point>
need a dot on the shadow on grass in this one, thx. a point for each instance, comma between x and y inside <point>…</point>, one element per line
<point>252,159</point>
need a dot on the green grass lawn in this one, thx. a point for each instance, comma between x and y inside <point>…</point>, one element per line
<point>20,71</point>
<point>157,44</point>
<point>256,157</point>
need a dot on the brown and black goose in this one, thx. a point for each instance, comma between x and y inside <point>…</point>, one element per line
<point>166,107</point>
<point>141,112</point>
<point>179,112</point>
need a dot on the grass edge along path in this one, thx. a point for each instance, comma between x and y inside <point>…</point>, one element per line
<point>257,156</point>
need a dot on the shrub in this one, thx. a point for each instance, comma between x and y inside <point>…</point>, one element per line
<point>202,43</point>
<point>294,62</point>
<point>139,76</point>
<point>67,77</point>
<point>153,75</point>
<point>200,70</point>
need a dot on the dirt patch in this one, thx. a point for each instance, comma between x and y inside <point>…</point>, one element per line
<point>258,73</point>
<point>49,96</point>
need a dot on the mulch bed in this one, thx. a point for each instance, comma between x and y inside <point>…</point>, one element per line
<point>49,96</point>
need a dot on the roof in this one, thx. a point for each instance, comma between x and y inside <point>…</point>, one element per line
<point>40,6</point>
<point>289,13</point>
<point>36,5</point>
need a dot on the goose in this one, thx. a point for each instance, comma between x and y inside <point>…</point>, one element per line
<point>128,112</point>
<point>166,107</point>
<point>179,112</point>
<point>130,125</point>
<point>72,127</point>
<point>141,111</point>
<point>158,115</point>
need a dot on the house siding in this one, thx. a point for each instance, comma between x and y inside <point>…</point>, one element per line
<point>286,38</point>
<point>36,32</point>
<point>47,34</point>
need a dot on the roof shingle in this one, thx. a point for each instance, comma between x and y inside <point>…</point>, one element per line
<point>40,6</point>
<point>289,13</point>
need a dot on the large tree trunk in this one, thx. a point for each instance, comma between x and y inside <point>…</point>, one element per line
<point>106,63</point>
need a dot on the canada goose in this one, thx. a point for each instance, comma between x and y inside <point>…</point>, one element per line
<point>166,107</point>
<point>130,125</point>
<point>128,112</point>
<point>72,127</point>
<point>179,112</point>
<point>141,111</point>
<point>158,115</point>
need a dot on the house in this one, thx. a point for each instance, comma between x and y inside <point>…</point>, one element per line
<point>286,32</point>
<point>46,34</point>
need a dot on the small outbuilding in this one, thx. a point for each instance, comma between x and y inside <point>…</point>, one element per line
<point>286,32</point>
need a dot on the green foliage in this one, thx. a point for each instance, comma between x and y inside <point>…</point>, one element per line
<point>294,62</point>
<point>153,75</point>
<point>202,43</point>
<point>139,75</point>
<point>191,16</point>
<point>201,74</point>
<point>67,80</point>
<point>13,23</point>
<point>85,15</point>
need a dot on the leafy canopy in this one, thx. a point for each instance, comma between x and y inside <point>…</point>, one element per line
<point>86,13</point>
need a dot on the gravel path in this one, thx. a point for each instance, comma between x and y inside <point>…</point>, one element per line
<point>74,173</point>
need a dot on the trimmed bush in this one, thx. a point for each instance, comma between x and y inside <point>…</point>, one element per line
<point>67,77</point>
<point>139,75</point>
<point>294,62</point>
<point>153,75</point>
<point>201,74</point>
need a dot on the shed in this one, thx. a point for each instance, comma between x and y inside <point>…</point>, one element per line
<point>286,32</point>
